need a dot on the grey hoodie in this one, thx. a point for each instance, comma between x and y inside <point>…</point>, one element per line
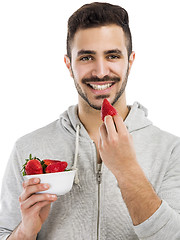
<point>94,208</point>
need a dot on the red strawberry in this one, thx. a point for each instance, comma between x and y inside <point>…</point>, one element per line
<point>56,167</point>
<point>107,109</point>
<point>32,166</point>
<point>48,161</point>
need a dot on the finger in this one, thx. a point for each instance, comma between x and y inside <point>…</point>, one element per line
<point>31,189</point>
<point>120,126</point>
<point>38,206</point>
<point>103,131</point>
<point>36,198</point>
<point>110,126</point>
<point>30,182</point>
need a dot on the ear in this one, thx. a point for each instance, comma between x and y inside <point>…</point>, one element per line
<point>131,60</point>
<point>68,64</point>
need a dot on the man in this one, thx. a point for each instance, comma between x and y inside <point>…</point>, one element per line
<point>128,169</point>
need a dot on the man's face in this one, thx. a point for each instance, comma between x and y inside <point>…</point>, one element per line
<point>99,64</point>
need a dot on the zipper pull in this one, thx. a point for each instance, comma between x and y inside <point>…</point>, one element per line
<point>99,177</point>
<point>99,174</point>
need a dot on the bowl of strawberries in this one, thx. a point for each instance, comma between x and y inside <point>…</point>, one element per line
<point>53,172</point>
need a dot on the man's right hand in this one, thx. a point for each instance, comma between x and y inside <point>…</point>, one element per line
<point>34,209</point>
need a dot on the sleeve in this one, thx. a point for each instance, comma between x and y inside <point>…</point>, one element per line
<point>165,222</point>
<point>10,215</point>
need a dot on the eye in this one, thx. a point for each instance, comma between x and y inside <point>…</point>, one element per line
<point>111,57</point>
<point>86,58</point>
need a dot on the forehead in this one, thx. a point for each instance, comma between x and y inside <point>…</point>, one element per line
<point>99,39</point>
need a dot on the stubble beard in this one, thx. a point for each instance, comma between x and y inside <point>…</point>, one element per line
<point>117,96</point>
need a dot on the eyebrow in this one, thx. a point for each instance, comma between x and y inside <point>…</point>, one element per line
<point>116,51</point>
<point>85,52</point>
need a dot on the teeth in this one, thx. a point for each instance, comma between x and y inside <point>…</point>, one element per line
<point>101,87</point>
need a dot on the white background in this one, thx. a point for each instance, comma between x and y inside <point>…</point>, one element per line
<point>35,86</point>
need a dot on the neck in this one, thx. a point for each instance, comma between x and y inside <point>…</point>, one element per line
<point>91,118</point>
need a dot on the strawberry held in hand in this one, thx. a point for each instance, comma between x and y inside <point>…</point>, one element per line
<point>32,166</point>
<point>107,109</point>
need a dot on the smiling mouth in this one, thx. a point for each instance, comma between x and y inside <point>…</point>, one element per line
<point>100,86</point>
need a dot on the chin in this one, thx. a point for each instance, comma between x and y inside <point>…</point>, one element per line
<point>95,106</point>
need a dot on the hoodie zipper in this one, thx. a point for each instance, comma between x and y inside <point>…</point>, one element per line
<point>99,179</point>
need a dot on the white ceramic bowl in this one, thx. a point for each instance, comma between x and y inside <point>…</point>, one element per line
<point>60,182</point>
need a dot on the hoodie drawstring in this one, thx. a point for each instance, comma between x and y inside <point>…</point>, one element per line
<point>74,167</point>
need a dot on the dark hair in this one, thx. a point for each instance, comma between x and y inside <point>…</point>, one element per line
<point>98,14</point>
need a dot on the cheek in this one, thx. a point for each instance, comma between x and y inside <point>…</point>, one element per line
<point>80,71</point>
<point>118,68</point>
<point>76,72</point>
<point>122,70</point>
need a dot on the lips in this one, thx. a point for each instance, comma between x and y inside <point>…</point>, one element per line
<point>100,86</point>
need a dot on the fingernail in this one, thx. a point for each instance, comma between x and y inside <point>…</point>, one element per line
<point>53,196</point>
<point>45,186</point>
<point>36,180</point>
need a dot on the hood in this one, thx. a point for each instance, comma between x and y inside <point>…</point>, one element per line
<point>136,120</point>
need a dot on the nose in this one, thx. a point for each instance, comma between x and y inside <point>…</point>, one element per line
<point>100,68</point>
